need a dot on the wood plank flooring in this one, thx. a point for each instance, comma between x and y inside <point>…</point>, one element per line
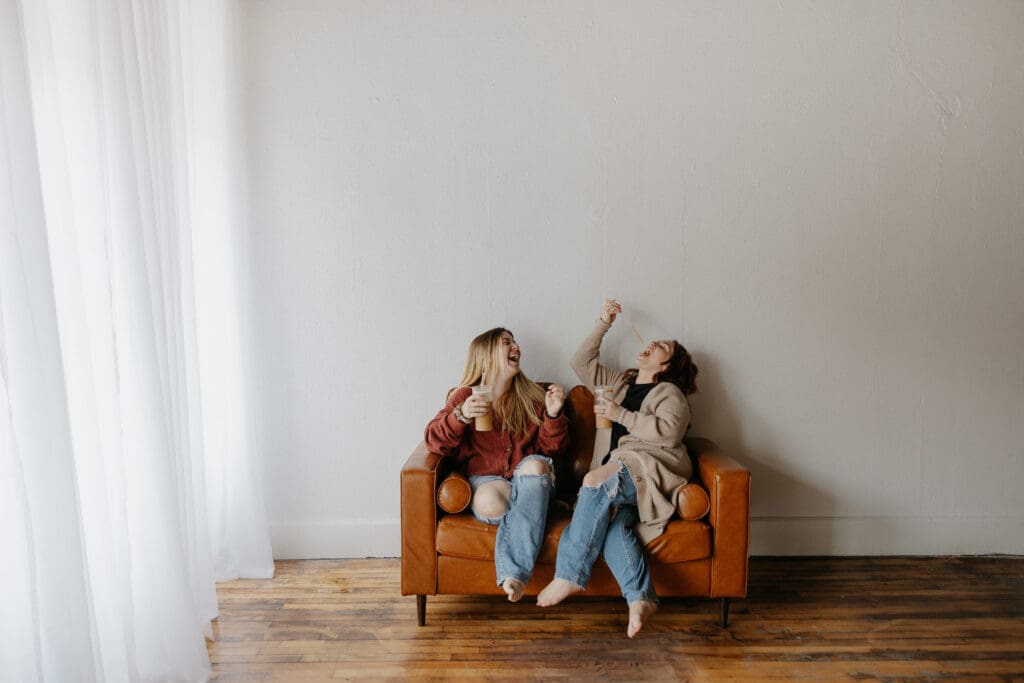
<point>820,619</point>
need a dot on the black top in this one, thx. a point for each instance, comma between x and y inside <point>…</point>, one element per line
<point>635,395</point>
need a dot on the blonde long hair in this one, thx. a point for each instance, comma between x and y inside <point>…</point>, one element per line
<point>518,407</point>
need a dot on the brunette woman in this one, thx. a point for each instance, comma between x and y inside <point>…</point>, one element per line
<point>630,493</point>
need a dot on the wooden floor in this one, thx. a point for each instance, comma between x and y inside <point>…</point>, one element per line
<point>820,619</point>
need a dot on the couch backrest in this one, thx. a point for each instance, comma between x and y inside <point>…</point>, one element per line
<point>576,462</point>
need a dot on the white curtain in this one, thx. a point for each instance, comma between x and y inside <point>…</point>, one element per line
<point>127,459</point>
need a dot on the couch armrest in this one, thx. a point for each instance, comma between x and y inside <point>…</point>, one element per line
<point>728,485</point>
<point>419,522</point>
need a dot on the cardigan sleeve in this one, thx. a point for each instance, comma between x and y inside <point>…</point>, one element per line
<point>444,433</point>
<point>585,361</point>
<point>665,425</point>
<point>553,437</point>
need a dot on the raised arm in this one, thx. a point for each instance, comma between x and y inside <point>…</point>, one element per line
<point>585,361</point>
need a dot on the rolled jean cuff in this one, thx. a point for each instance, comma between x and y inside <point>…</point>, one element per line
<point>514,578</point>
<point>636,597</point>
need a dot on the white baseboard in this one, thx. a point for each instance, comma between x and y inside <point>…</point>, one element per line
<point>375,538</point>
<point>928,535</point>
<point>853,535</point>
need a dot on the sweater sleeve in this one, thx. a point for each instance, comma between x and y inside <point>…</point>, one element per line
<point>553,438</point>
<point>444,433</point>
<point>666,426</point>
<point>585,361</point>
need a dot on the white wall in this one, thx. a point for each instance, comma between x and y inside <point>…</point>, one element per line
<point>823,201</point>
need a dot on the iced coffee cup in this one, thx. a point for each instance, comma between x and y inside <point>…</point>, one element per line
<point>484,423</point>
<point>603,392</point>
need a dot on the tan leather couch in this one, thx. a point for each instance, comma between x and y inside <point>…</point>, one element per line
<point>704,555</point>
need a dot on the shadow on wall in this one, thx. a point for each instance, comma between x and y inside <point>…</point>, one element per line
<point>779,495</point>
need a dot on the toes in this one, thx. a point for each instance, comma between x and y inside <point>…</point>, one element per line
<point>548,596</point>
<point>639,613</point>
<point>514,589</point>
<point>555,592</point>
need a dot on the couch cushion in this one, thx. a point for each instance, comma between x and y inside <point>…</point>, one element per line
<point>693,501</point>
<point>464,536</point>
<point>454,493</point>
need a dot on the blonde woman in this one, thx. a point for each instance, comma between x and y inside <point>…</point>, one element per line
<point>509,467</point>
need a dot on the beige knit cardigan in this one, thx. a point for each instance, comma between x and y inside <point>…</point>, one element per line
<point>653,450</point>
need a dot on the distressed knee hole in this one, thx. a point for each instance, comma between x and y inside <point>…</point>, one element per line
<point>595,478</point>
<point>534,467</point>
<point>491,501</point>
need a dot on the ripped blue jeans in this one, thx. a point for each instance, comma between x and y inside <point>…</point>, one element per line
<point>521,528</point>
<point>594,531</point>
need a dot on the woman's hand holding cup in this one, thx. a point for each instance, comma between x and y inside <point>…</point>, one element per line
<point>610,309</point>
<point>604,407</point>
<point>475,406</point>
<point>483,420</point>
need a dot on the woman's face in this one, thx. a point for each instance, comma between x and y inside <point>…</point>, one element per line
<point>506,356</point>
<point>656,355</point>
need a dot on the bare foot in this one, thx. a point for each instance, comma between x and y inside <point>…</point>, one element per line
<point>513,588</point>
<point>639,612</point>
<point>555,592</point>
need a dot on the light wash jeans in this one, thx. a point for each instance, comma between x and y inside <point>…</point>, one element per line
<point>521,528</point>
<point>593,530</point>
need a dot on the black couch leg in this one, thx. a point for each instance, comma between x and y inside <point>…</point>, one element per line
<point>421,610</point>
<point>724,616</point>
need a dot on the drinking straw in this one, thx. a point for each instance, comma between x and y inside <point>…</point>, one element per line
<point>636,334</point>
